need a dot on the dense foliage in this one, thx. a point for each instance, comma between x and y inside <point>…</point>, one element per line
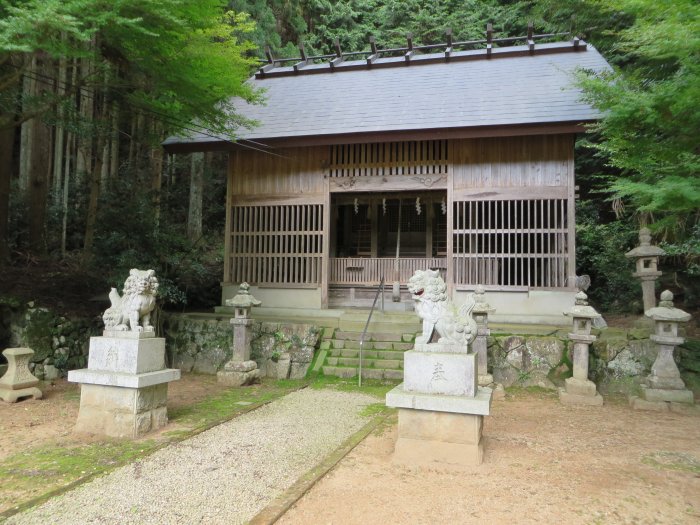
<point>149,69</point>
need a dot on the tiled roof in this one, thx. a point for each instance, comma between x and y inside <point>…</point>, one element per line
<point>469,91</point>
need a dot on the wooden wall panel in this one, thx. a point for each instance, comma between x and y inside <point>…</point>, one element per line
<point>288,172</point>
<point>513,162</point>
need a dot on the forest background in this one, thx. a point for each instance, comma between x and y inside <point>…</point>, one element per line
<point>90,88</point>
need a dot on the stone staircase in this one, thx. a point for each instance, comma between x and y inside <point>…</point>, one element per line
<point>389,335</point>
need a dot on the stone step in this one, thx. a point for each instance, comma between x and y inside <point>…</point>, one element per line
<point>367,373</point>
<point>366,354</point>
<point>347,325</point>
<point>340,371</point>
<point>384,337</point>
<point>348,361</point>
<point>390,354</point>
<point>387,363</point>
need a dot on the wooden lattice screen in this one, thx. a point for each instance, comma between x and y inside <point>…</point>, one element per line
<point>389,158</point>
<point>281,244</point>
<point>511,243</point>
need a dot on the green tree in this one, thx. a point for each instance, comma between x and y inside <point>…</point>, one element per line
<point>172,61</point>
<point>649,132</point>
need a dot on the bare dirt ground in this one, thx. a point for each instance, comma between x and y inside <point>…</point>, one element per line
<point>544,463</point>
<point>32,423</point>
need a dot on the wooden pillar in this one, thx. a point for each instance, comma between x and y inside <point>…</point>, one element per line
<point>229,205</point>
<point>429,218</point>
<point>571,210</point>
<point>325,260</point>
<point>374,206</point>
<point>450,213</point>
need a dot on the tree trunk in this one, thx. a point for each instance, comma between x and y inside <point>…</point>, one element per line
<point>70,147</point>
<point>27,133</point>
<point>114,146</point>
<point>39,170</point>
<point>194,215</point>
<point>91,220</point>
<point>83,166</point>
<point>59,145</point>
<point>156,162</point>
<point>7,142</point>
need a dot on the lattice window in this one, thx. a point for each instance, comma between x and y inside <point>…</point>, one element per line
<point>518,243</point>
<point>389,158</point>
<point>280,244</point>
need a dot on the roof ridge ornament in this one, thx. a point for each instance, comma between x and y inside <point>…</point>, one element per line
<point>449,51</point>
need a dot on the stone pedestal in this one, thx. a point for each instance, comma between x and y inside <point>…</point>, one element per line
<point>124,389</point>
<point>441,407</point>
<point>239,373</point>
<point>18,381</point>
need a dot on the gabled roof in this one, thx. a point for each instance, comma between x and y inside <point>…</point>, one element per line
<point>511,90</point>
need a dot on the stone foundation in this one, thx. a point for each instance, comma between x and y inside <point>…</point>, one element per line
<point>437,430</point>
<point>124,390</point>
<point>122,412</point>
<point>427,437</point>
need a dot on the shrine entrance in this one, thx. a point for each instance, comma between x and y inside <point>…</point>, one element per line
<point>390,236</point>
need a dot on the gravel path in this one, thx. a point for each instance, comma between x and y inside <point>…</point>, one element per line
<point>224,475</point>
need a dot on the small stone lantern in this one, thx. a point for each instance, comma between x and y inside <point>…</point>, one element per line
<point>664,385</point>
<point>480,314</point>
<point>647,261</point>
<point>579,389</point>
<point>240,370</point>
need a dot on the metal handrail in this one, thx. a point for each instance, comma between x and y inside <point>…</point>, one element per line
<point>380,288</point>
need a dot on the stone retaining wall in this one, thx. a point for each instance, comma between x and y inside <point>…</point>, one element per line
<point>59,343</point>
<point>203,344</point>
<point>619,360</point>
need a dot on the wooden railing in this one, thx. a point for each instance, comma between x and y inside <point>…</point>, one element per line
<point>370,270</point>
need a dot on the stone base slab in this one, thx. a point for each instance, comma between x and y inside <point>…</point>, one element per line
<point>477,405</point>
<point>452,374</point>
<point>565,398</point>
<point>122,412</point>
<point>638,403</point>
<point>11,395</point>
<point>580,387</point>
<point>429,438</point>
<point>420,453</point>
<point>429,425</point>
<point>485,380</point>
<point>665,383</point>
<point>233,378</point>
<point>675,396</point>
<point>107,378</point>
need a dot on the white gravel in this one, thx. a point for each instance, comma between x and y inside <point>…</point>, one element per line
<point>224,475</point>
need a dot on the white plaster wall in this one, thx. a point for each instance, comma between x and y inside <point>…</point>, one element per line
<point>532,307</point>
<point>278,297</point>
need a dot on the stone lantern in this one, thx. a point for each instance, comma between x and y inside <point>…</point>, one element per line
<point>664,385</point>
<point>579,389</point>
<point>240,370</point>
<point>18,381</point>
<point>480,314</point>
<point>647,264</point>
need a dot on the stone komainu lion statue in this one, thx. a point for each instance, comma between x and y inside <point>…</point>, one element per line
<point>132,311</point>
<point>438,313</point>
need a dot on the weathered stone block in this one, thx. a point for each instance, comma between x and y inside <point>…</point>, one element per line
<point>431,453</point>
<point>566,398</point>
<point>638,403</point>
<point>579,387</point>
<point>440,426</point>
<point>127,355</point>
<point>440,373</point>
<point>675,396</point>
